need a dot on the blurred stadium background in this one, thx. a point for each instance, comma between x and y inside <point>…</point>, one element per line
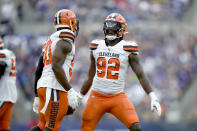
<point>166,31</point>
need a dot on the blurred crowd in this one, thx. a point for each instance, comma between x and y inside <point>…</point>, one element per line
<point>94,10</point>
<point>169,58</point>
<point>132,9</point>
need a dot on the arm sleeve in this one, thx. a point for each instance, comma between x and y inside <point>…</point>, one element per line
<point>38,73</point>
<point>131,47</point>
<point>3,65</point>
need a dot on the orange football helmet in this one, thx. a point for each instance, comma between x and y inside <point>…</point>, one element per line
<point>115,22</point>
<point>66,19</point>
<point>1,43</point>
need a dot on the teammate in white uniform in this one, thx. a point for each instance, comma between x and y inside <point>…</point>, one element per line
<point>110,59</point>
<point>48,78</point>
<point>8,92</point>
<point>54,94</point>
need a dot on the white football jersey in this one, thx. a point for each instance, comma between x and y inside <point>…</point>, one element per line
<point>112,64</point>
<point>8,90</point>
<point>48,78</point>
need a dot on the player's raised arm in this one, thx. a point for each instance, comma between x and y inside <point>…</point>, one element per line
<point>137,68</point>
<point>92,69</point>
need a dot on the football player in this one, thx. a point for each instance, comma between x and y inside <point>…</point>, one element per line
<point>53,93</point>
<point>8,92</point>
<point>110,59</point>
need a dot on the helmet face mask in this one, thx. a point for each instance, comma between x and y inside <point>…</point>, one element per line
<point>114,23</point>
<point>111,29</point>
<point>111,25</point>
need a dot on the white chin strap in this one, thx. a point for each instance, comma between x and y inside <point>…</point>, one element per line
<point>111,37</point>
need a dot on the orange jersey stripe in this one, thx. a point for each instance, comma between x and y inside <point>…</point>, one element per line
<point>66,35</point>
<point>130,48</point>
<point>12,74</point>
<point>2,55</point>
<point>92,46</point>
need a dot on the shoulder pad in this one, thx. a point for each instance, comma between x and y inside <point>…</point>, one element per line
<point>131,47</point>
<point>67,35</point>
<point>93,45</point>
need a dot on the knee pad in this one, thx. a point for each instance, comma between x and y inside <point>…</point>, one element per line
<point>135,127</point>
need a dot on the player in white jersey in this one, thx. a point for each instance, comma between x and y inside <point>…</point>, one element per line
<point>8,92</point>
<point>54,94</point>
<point>110,59</point>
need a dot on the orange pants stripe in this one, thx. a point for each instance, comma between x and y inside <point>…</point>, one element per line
<point>55,111</point>
<point>6,115</point>
<point>98,104</point>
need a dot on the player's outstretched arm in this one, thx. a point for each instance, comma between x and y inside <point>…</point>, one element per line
<point>38,74</point>
<point>92,69</point>
<point>137,68</point>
